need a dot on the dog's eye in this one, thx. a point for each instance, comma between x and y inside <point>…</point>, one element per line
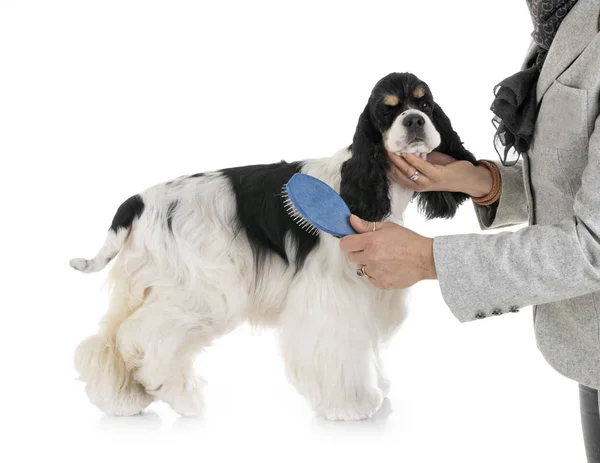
<point>425,105</point>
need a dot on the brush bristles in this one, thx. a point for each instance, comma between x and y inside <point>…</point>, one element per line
<point>295,214</point>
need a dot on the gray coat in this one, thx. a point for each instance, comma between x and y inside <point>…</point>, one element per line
<point>553,264</point>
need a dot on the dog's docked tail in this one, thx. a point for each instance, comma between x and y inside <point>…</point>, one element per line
<point>127,212</point>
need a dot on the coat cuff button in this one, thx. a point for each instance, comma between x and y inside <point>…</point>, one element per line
<point>497,312</point>
<point>514,309</point>
<point>479,315</point>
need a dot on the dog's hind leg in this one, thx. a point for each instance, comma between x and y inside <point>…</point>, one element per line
<point>160,343</point>
<point>108,382</point>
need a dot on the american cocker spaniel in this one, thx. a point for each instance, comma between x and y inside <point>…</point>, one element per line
<point>198,255</point>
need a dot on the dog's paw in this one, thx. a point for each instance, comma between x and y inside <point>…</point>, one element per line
<point>128,401</point>
<point>364,406</point>
<point>186,401</point>
<point>129,406</point>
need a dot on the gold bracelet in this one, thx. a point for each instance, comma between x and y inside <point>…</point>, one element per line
<point>496,191</point>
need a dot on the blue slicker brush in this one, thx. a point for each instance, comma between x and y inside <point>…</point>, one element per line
<point>315,205</point>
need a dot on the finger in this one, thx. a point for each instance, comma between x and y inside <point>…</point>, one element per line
<point>359,268</point>
<point>360,225</point>
<point>402,165</point>
<point>394,158</point>
<point>405,181</point>
<point>365,270</point>
<point>426,168</point>
<point>422,183</point>
<point>363,226</point>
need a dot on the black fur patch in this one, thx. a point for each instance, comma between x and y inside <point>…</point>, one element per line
<point>170,212</point>
<point>127,212</point>
<point>261,213</point>
<point>196,175</point>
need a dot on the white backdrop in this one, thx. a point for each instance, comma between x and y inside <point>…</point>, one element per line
<point>99,100</point>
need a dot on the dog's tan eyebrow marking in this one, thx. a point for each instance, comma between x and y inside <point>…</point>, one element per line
<point>390,100</point>
<point>419,92</point>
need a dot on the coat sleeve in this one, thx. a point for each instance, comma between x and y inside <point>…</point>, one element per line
<point>511,208</point>
<point>480,274</point>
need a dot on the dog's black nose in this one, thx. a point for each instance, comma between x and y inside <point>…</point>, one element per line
<point>414,121</point>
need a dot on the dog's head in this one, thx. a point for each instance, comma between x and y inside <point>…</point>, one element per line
<point>401,116</point>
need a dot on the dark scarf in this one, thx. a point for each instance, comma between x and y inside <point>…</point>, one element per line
<point>515,106</point>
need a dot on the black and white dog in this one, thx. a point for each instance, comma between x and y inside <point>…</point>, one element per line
<point>199,255</point>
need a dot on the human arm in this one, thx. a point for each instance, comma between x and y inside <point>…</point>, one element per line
<point>539,264</point>
<point>481,274</point>
<point>442,173</point>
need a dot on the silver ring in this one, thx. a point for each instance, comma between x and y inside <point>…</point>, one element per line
<point>374,226</point>
<point>414,177</point>
<point>361,271</point>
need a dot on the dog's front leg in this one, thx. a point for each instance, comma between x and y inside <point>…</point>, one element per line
<point>329,346</point>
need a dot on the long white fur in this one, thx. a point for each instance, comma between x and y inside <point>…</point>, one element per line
<point>174,293</point>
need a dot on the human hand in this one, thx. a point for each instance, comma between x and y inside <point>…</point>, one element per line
<point>394,257</point>
<point>441,173</point>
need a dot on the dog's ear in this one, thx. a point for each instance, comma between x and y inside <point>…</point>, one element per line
<point>365,184</point>
<point>451,143</point>
<point>443,204</point>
